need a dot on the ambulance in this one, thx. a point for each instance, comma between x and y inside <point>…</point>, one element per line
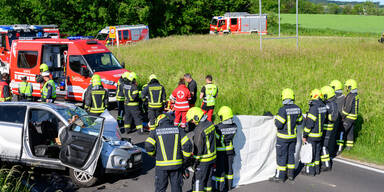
<point>71,63</point>
<point>238,23</point>
<point>126,34</point>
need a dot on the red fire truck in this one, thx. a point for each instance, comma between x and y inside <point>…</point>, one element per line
<point>125,33</point>
<point>238,22</point>
<point>71,63</point>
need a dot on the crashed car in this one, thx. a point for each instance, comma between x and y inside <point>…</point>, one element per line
<point>64,136</point>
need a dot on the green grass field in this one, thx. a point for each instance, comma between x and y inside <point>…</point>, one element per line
<point>250,81</point>
<point>349,23</point>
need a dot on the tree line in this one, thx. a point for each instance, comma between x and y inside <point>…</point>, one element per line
<point>164,17</point>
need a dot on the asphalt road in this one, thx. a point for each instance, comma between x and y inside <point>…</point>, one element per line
<point>343,178</point>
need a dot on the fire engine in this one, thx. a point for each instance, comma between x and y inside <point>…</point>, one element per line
<point>126,34</point>
<point>238,22</point>
<point>71,63</point>
<point>51,30</point>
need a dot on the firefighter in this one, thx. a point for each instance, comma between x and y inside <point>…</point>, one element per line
<point>43,68</point>
<point>204,149</point>
<point>288,117</point>
<point>349,112</point>
<point>96,97</point>
<point>209,93</point>
<point>313,130</point>
<point>332,117</point>
<point>131,102</point>
<point>5,91</point>
<point>25,90</point>
<point>171,147</point>
<point>181,97</point>
<point>338,125</point>
<point>48,93</point>
<point>225,132</point>
<point>120,99</point>
<point>192,87</point>
<point>154,92</point>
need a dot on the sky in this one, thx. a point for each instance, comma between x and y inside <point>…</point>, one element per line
<point>381,1</point>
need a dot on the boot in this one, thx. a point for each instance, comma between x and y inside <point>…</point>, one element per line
<point>276,180</point>
<point>291,174</point>
<point>348,148</point>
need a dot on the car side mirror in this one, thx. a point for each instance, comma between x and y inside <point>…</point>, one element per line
<point>84,71</point>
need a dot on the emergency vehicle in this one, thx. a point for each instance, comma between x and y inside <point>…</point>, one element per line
<point>238,22</point>
<point>126,34</point>
<point>51,30</point>
<point>71,63</point>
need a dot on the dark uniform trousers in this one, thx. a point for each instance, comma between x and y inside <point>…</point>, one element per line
<point>348,136</point>
<point>202,179</point>
<point>313,168</point>
<point>224,171</point>
<point>120,113</point>
<point>285,153</point>
<point>132,113</point>
<point>175,176</point>
<point>153,113</point>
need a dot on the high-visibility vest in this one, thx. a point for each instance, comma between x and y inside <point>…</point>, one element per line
<point>45,89</point>
<point>25,88</point>
<point>210,93</point>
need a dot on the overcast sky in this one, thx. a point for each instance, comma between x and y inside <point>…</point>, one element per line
<point>381,1</point>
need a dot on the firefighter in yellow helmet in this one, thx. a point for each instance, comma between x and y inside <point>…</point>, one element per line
<point>225,132</point>
<point>204,149</point>
<point>313,130</point>
<point>171,147</point>
<point>131,102</point>
<point>349,112</point>
<point>96,97</point>
<point>120,98</point>
<point>286,120</point>
<point>329,127</point>
<point>338,125</point>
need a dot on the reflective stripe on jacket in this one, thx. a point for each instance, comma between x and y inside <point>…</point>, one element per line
<point>286,120</point>
<point>204,149</point>
<point>5,94</point>
<point>225,132</point>
<point>25,88</point>
<point>181,95</point>
<point>49,90</point>
<point>210,94</point>
<point>351,106</point>
<point>314,122</point>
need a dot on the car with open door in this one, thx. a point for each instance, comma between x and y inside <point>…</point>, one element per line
<point>64,136</point>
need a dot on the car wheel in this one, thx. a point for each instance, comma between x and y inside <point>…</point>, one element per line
<point>82,179</point>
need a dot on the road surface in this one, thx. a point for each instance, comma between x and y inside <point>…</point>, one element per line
<point>343,178</point>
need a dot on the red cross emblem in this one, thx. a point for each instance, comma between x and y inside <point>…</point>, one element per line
<point>180,94</point>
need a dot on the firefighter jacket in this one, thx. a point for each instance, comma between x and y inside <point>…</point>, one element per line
<point>96,99</point>
<point>25,89</point>
<point>169,144</point>
<point>119,91</point>
<point>181,95</point>
<point>204,149</point>
<point>5,92</point>
<point>332,116</point>
<point>210,93</point>
<point>340,97</point>
<point>351,106</point>
<point>314,122</point>
<point>225,132</point>
<point>286,120</point>
<point>49,90</point>
<point>131,94</point>
<point>154,92</point>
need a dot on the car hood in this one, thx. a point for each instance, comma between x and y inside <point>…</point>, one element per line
<point>111,134</point>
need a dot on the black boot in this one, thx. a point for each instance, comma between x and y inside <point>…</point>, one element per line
<point>276,180</point>
<point>291,174</point>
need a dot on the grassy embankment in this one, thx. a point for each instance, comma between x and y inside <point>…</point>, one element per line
<point>251,81</point>
<point>11,180</point>
<point>332,25</point>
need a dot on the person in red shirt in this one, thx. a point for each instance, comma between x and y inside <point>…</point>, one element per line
<point>181,97</point>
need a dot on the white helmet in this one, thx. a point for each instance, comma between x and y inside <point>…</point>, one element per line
<point>45,74</point>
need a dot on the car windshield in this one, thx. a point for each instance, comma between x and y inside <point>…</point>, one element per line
<point>102,36</point>
<point>90,125</point>
<point>214,22</point>
<point>102,62</point>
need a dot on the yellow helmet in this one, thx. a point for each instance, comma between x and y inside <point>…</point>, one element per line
<point>336,85</point>
<point>96,80</point>
<point>194,114</point>
<point>327,92</point>
<point>287,94</point>
<point>159,118</point>
<point>153,76</point>
<point>125,75</point>
<point>350,84</point>
<point>132,76</point>
<point>225,113</point>
<point>315,94</point>
<point>43,67</point>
